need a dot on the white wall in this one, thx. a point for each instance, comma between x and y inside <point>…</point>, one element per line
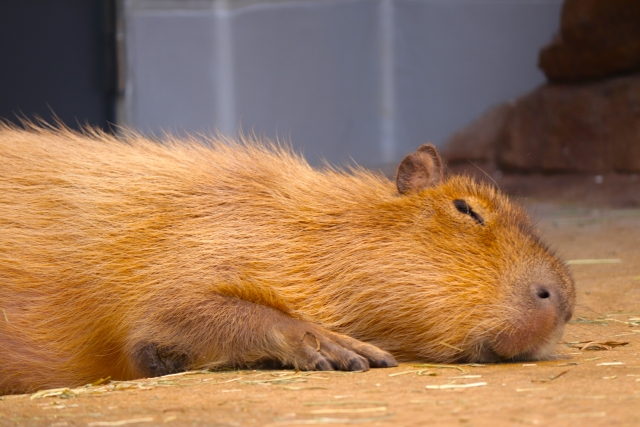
<point>362,79</point>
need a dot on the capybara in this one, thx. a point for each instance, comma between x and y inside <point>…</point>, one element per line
<point>127,257</point>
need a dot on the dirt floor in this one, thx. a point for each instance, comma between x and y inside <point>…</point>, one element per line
<point>594,380</point>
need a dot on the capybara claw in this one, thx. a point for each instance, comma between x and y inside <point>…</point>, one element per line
<point>387,361</point>
<point>323,365</point>
<point>378,358</point>
<point>375,357</point>
<point>358,365</point>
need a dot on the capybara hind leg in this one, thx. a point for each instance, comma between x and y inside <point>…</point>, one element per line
<point>228,332</point>
<point>152,360</point>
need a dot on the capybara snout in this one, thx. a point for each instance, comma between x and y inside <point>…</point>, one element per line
<point>541,302</point>
<point>127,258</point>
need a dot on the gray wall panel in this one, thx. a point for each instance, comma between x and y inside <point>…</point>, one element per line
<point>309,72</point>
<point>171,84</point>
<point>362,79</point>
<point>455,59</point>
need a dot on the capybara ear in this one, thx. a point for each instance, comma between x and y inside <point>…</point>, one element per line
<point>419,170</point>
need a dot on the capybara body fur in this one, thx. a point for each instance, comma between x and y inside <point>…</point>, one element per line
<point>124,257</point>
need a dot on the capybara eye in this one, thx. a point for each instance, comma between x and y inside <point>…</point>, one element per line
<point>463,207</point>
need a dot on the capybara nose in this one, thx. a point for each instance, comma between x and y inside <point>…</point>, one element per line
<point>547,297</point>
<point>544,296</point>
<point>542,292</point>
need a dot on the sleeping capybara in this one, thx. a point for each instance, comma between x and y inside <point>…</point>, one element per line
<point>125,257</point>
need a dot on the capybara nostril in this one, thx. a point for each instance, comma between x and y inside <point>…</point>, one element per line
<point>543,293</point>
<point>546,293</point>
<point>550,296</point>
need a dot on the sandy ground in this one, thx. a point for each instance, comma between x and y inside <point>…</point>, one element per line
<point>596,386</point>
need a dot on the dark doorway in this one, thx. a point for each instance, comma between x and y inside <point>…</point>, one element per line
<point>56,58</point>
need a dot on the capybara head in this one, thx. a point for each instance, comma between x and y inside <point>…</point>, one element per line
<point>477,272</point>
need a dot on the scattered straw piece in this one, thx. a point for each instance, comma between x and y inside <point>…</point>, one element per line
<point>593,261</point>
<point>396,374</point>
<point>126,385</point>
<point>348,410</point>
<point>582,320</point>
<point>180,374</point>
<point>597,397</point>
<point>101,381</point>
<point>225,382</point>
<point>619,321</point>
<point>419,372</point>
<point>555,377</point>
<point>302,388</point>
<point>583,415</point>
<point>120,423</point>
<point>344,402</point>
<point>438,366</point>
<point>450,346</point>
<point>452,386</point>
<point>533,421</point>
<point>276,381</point>
<point>58,407</point>
<point>55,392</point>
<point>67,393</point>
<point>551,378</point>
<point>622,314</point>
<point>434,401</point>
<point>610,363</point>
<point>5,315</point>
<point>522,390</point>
<point>597,345</point>
<point>324,420</point>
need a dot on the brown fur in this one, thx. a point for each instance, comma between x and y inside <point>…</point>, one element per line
<point>128,258</point>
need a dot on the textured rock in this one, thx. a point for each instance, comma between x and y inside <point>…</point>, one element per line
<point>589,128</point>
<point>597,39</point>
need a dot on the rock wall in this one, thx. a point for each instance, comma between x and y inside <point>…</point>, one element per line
<point>587,118</point>
<point>597,39</point>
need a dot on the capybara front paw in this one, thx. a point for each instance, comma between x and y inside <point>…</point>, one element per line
<point>310,347</point>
